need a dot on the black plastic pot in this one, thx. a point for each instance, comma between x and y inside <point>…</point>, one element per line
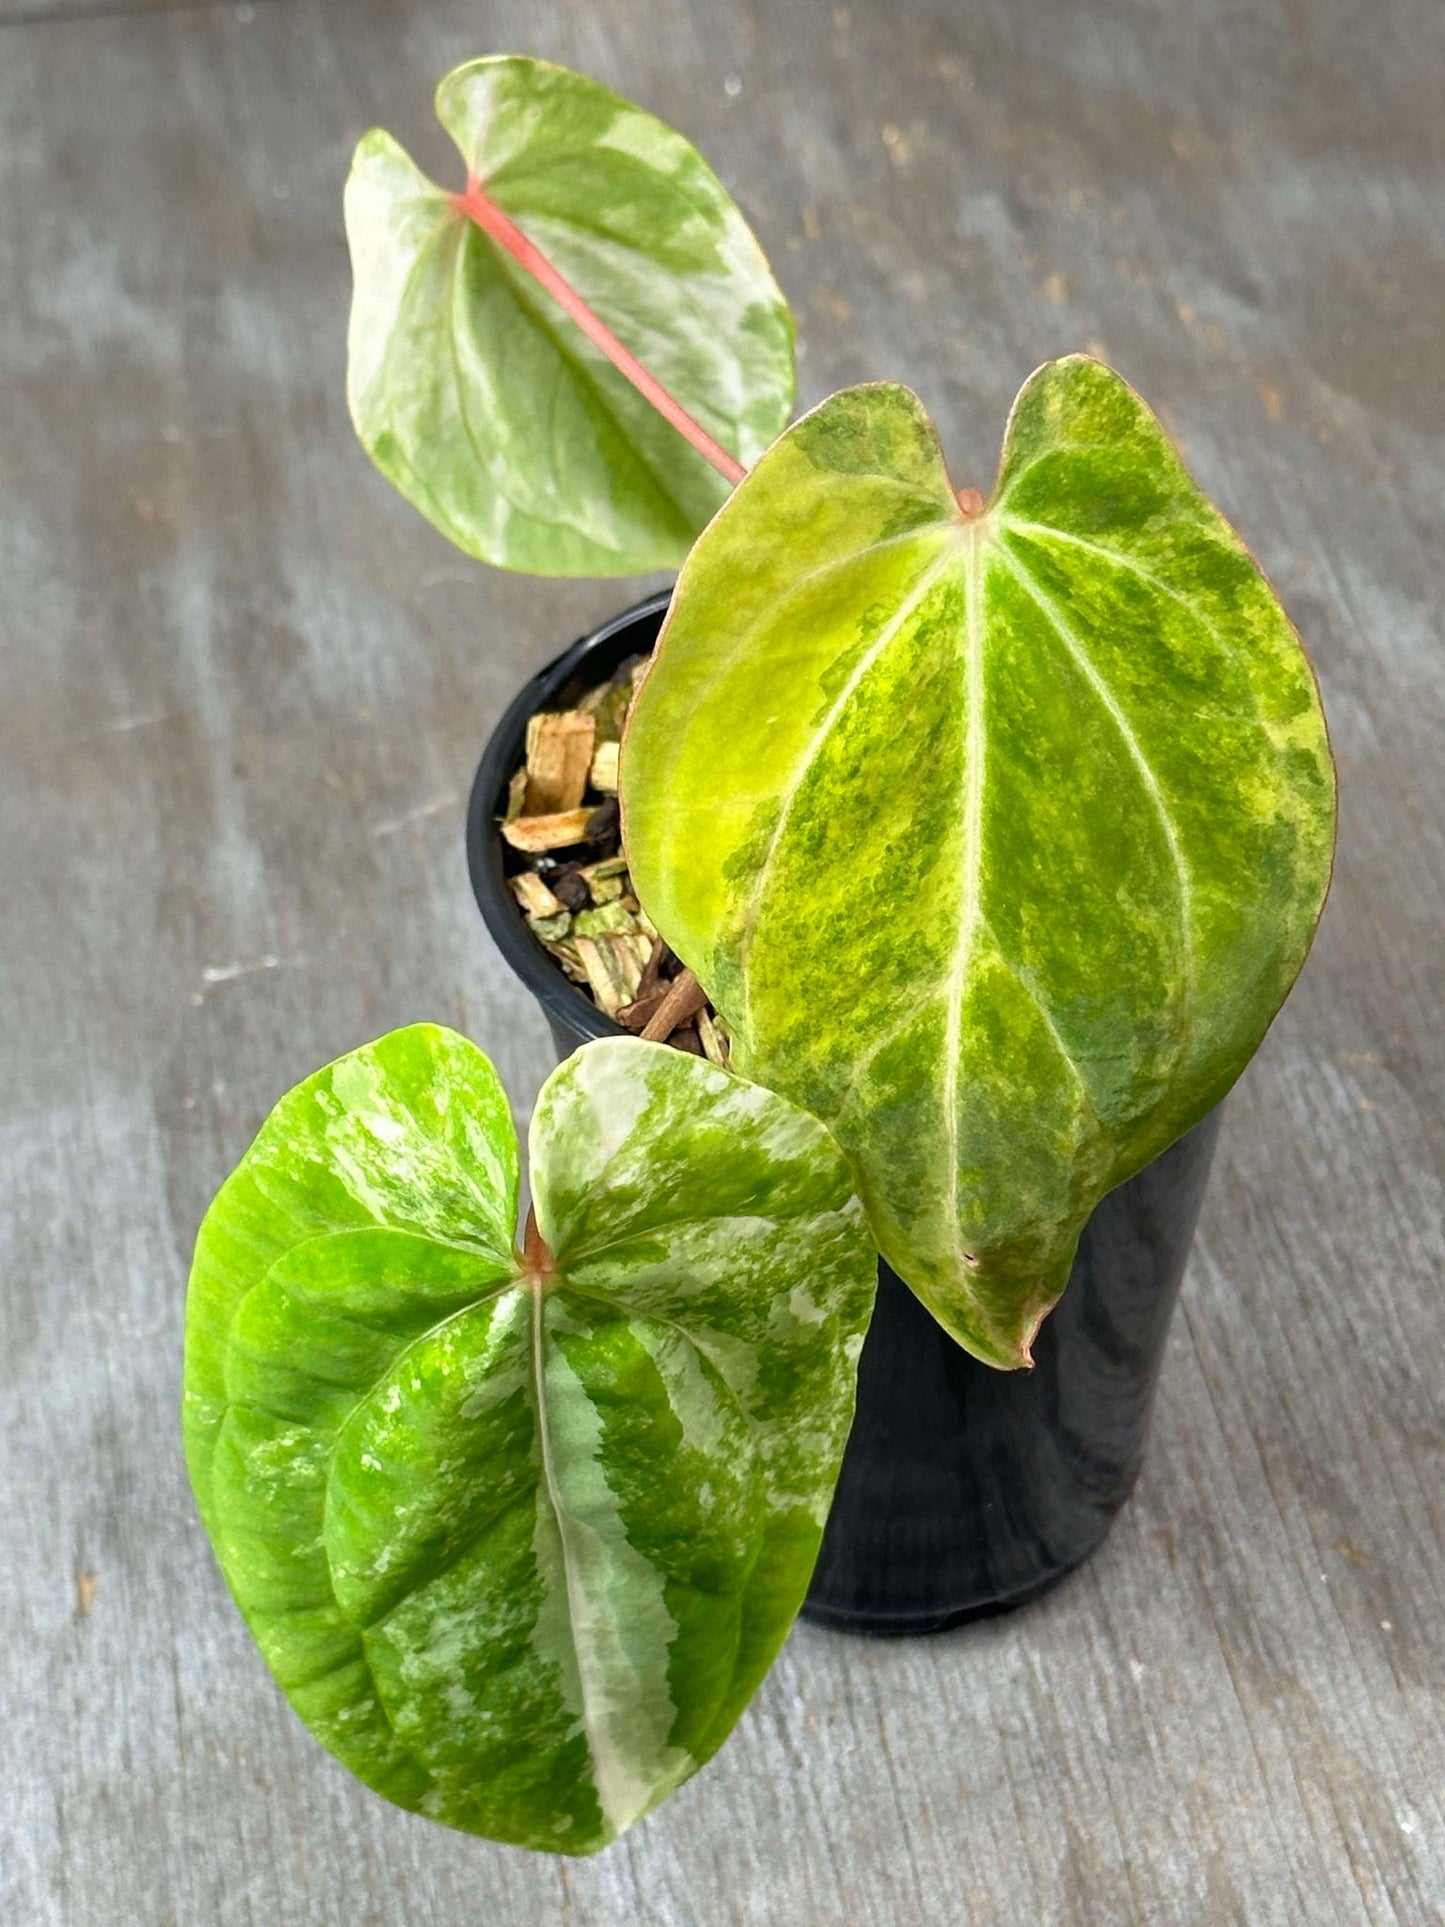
<point>964,1490</point>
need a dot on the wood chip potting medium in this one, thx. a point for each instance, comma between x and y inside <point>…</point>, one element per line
<point>559,757</point>
<point>575,890</point>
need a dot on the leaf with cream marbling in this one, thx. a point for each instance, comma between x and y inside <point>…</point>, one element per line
<point>520,1543</point>
<point>483,402</point>
<point>997,838</point>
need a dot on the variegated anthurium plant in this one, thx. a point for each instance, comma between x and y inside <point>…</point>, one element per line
<point>997,830</point>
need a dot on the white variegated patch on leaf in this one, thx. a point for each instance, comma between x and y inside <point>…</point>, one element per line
<point>520,1537</point>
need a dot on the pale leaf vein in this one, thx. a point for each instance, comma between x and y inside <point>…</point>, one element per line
<point>909,607</point>
<point>1109,702</point>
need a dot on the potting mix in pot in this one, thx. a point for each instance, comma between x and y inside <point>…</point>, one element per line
<point>570,878</point>
<point>961,850</point>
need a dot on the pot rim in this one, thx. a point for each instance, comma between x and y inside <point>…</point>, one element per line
<point>561,1000</point>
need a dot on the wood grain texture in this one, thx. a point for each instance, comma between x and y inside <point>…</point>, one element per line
<point>242,689</point>
<point>40,12</point>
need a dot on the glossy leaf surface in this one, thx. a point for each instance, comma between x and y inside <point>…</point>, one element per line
<point>998,840</point>
<point>519,1543</point>
<point>483,402</point>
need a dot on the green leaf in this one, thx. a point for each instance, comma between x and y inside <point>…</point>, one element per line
<point>998,841</point>
<point>519,1542</point>
<point>485,404</point>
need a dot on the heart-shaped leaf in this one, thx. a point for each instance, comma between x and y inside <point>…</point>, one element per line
<point>518,1536</point>
<point>483,402</point>
<point>998,837</point>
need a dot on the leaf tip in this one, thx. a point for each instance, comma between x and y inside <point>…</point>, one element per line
<point>374,142</point>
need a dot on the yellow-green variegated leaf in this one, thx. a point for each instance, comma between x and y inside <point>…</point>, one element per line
<point>998,838</point>
<point>483,402</point>
<point>519,1538</point>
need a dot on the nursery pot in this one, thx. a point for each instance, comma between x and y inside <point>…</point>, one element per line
<point>964,1490</point>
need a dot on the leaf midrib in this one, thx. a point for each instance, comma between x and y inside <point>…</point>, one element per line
<point>561,1519</point>
<point>682,290</point>
<point>974,752</point>
<point>564,1284</point>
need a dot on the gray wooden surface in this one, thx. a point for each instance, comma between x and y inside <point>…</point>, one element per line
<point>243,691</point>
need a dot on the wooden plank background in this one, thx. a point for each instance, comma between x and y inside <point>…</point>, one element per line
<point>244,688</point>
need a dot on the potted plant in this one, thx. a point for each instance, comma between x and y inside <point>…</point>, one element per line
<point>968,848</point>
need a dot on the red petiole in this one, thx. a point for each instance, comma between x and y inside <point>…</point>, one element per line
<point>536,1254</point>
<point>477,205</point>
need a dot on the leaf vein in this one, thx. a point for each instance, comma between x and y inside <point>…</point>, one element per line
<point>585,375</point>
<point>1079,655</point>
<point>910,605</point>
<point>1044,532</point>
<point>1026,982</point>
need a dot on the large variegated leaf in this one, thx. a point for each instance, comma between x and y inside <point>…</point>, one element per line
<point>520,1536</point>
<point>483,402</point>
<point>998,838</point>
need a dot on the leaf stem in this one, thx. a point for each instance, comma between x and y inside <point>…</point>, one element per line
<point>685,998</point>
<point>536,1254</point>
<point>478,206</point>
